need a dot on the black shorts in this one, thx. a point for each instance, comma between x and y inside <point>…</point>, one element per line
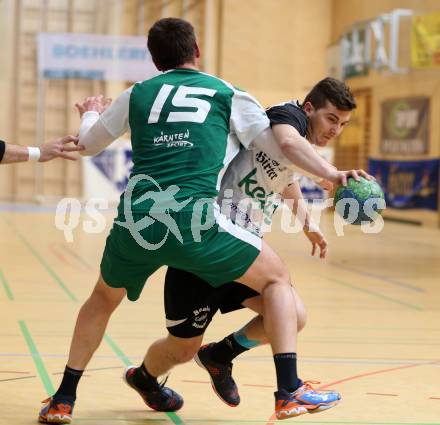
<point>191,303</point>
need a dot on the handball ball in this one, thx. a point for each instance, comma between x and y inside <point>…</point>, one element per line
<point>359,201</point>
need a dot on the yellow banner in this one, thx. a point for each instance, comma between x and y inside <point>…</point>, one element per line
<point>425,41</point>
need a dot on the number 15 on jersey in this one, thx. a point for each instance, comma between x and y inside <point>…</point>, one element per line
<point>181,99</point>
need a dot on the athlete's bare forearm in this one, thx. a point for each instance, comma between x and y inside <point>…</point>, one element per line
<point>15,153</point>
<point>293,198</point>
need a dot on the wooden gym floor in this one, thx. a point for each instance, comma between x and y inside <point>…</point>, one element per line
<point>373,329</point>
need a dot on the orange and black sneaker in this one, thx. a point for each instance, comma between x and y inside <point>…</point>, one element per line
<point>160,398</point>
<point>304,400</point>
<point>56,411</point>
<point>222,381</point>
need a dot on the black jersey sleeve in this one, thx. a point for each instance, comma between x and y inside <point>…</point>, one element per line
<point>2,149</point>
<point>289,113</point>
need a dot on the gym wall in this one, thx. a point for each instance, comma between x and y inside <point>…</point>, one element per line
<point>384,85</point>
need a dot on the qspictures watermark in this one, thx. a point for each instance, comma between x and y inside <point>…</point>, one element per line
<point>246,213</point>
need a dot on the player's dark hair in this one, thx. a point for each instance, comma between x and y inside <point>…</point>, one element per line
<point>171,42</point>
<point>333,90</point>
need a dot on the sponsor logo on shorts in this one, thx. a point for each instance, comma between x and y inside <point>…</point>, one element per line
<point>170,323</point>
<point>201,310</point>
<point>201,316</point>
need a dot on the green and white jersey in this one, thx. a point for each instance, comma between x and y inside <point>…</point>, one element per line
<point>251,188</point>
<point>186,126</point>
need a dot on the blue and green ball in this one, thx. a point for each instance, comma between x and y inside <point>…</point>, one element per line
<point>368,195</point>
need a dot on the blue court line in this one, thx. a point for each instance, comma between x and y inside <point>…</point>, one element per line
<point>60,356</point>
<point>35,253</point>
<point>6,287</point>
<point>341,340</point>
<point>375,328</point>
<point>117,350</point>
<point>259,421</point>
<point>401,241</point>
<point>254,359</point>
<point>361,341</point>
<point>26,208</point>
<point>33,208</point>
<point>376,276</point>
<point>125,420</point>
<point>18,378</point>
<point>380,277</point>
<point>374,294</point>
<point>296,421</point>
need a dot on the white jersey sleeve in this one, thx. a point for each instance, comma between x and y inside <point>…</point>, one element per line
<point>96,131</point>
<point>115,117</point>
<point>93,135</point>
<point>248,118</point>
<point>267,142</point>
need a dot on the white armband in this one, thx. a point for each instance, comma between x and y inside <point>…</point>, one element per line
<point>313,227</point>
<point>34,153</point>
<point>93,135</point>
<point>88,119</point>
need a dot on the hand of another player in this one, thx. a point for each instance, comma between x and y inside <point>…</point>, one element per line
<point>60,148</point>
<point>326,184</point>
<point>93,103</point>
<point>340,177</point>
<point>318,240</point>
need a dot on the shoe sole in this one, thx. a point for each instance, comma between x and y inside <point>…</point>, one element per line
<point>199,363</point>
<point>302,410</point>
<point>54,420</point>
<point>323,407</point>
<point>286,414</point>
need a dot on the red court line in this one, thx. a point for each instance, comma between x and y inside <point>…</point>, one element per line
<point>58,254</point>
<point>191,381</point>
<point>257,385</point>
<point>377,372</point>
<point>79,259</point>
<point>195,382</point>
<point>393,395</point>
<point>362,375</point>
<point>434,398</point>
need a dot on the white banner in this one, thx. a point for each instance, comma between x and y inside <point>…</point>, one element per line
<point>106,174</point>
<point>94,56</point>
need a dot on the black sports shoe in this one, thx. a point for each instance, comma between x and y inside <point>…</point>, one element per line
<point>221,376</point>
<point>161,398</point>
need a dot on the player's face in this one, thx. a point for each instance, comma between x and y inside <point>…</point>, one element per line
<point>326,123</point>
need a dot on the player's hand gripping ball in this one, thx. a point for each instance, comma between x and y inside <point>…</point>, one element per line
<point>359,201</point>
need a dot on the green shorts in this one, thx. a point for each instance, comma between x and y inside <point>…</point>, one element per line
<point>220,254</point>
